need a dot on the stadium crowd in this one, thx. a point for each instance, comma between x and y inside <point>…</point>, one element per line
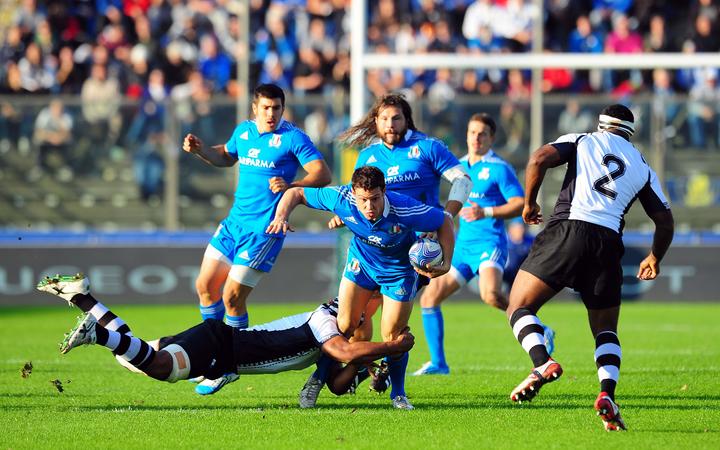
<point>303,45</point>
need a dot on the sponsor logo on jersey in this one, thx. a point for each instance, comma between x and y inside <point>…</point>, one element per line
<point>244,255</point>
<point>477,195</point>
<point>246,161</point>
<point>484,174</point>
<point>350,219</point>
<point>485,255</point>
<point>353,266</point>
<point>375,239</point>
<point>253,152</point>
<point>244,136</point>
<point>371,159</point>
<point>400,291</point>
<point>393,171</point>
<point>275,140</point>
<point>410,176</point>
<point>414,152</point>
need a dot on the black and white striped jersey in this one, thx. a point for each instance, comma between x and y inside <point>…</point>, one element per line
<point>289,343</point>
<point>605,174</point>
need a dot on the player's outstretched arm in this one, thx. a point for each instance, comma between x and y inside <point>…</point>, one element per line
<point>664,229</point>
<point>216,155</point>
<point>290,199</point>
<point>359,352</point>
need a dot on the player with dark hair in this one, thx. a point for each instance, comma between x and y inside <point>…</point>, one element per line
<point>481,242</point>
<point>581,246</point>
<point>269,151</point>
<point>214,348</point>
<point>413,164</point>
<point>384,224</point>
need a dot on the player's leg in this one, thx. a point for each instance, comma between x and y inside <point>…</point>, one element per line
<point>395,317</point>
<point>353,300</point>
<point>527,295</point>
<point>209,284</point>
<point>431,297</point>
<point>75,289</point>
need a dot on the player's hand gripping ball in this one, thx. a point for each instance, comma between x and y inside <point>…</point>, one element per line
<point>425,252</point>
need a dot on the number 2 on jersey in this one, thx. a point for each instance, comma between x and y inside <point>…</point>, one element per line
<point>599,184</point>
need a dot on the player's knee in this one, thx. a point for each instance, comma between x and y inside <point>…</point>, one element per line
<point>179,363</point>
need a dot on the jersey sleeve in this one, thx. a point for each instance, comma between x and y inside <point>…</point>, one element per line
<point>323,325</point>
<point>303,148</point>
<point>566,145</point>
<point>441,157</point>
<point>325,198</point>
<point>231,144</point>
<point>651,195</point>
<point>509,184</point>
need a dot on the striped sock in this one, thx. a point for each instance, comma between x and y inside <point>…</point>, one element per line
<point>607,359</point>
<point>130,348</point>
<point>529,331</point>
<point>237,321</point>
<point>214,311</point>
<point>87,303</point>
<point>434,326</point>
<point>397,368</point>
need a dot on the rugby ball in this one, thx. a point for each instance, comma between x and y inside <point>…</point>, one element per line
<point>425,252</point>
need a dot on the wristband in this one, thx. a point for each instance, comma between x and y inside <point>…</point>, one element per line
<point>488,211</point>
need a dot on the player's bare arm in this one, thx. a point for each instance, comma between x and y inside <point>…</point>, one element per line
<point>544,158</point>
<point>446,239</point>
<point>216,155</point>
<point>290,199</point>
<point>318,175</point>
<point>664,229</point>
<point>359,352</point>
<point>511,209</point>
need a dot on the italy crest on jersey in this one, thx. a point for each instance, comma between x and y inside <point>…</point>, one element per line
<point>414,152</point>
<point>275,141</point>
<point>353,266</point>
<point>396,229</point>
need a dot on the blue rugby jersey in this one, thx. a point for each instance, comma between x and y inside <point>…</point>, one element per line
<point>494,182</point>
<point>262,156</point>
<point>412,167</point>
<point>383,245</point>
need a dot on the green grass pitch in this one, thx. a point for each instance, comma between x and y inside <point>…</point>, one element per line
<point>669,389</point>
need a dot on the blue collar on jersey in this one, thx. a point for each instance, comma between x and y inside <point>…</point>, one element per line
<point>484,158</point>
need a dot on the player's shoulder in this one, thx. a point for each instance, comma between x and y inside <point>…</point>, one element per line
<point>495,159</point>
<point>424,141</point>
<point>572,138</point>
<point>246,129</point>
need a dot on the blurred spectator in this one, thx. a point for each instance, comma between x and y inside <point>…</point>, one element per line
<point>273,72</point>
<point>519,244</point>
<point>604,11</point>
<point>53,135</point>
<point>556,79</point>
<point>28,17</point>
<point>622,40</point>
<point>309,74</point>
<point>518,88</point>
<point>148,166</point>
<point>10,126</point>
<point>192,106</point>
<point>478,15</point>
<point>44,38</point>
<point>707,8</point>
<point>150,118</point>
<point>37,72</point>
<point>513,126</point>
<point>657,39</point>
<point>705,38</point>
<point>704,98</point>
<point>175,68</point>
<point>664,103</point>
<point>514,22</point>
<point>13,47</point>
<point>70,76</point>
<point>214,64</point>
<point>100,105</point>
<point>573,119</point>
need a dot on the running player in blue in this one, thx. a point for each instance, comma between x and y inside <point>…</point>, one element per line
<point>269,151</point>
<point>384,224</point>
<point>482,244</point>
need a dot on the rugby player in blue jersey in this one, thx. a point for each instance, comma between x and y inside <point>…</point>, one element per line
<point>269,151</point>
<point>384,224</point>
<point>413,164</point>
<point>482,244</point>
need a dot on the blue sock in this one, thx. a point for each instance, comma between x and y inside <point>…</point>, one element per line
<point>323,367</point>
<point>214,311</point>
<point>397,369</point>
<point>432,319</point>
<point>237,321</point>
